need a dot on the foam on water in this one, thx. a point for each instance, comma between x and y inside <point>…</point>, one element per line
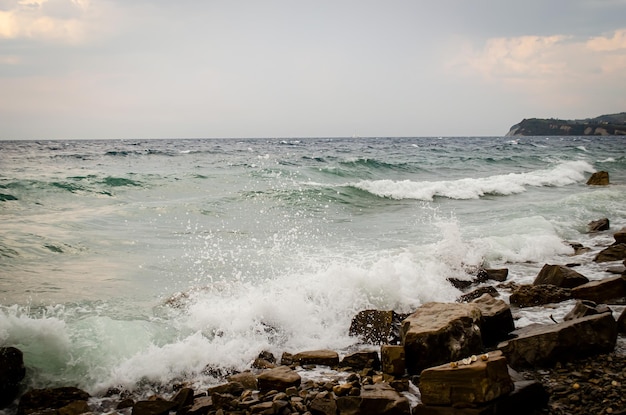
<point>473,188</point>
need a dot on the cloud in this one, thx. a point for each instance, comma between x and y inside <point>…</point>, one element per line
<point>65,21</point>
<point>614,43</point>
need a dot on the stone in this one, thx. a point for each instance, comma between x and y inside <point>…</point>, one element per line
<point>38,400</point>
<point>545,345</point>
<point>12,371</point>
<point>480,381</point>
<point>183,398</point>
<point>615,252</point>
<point>599,178</point>
<point>601,291</point>
<point>584,308</point>
<point>317,357</point>
<point>279,378</point>
<point>621,322</point>
<point>201,406</point>
<point>620,236</point>
<point>599,225</point>
<point>461,284</point>
<point>323,404</point>
<point>361,360</point>
<point>153,407</point>
<point>376,326</point>
<point>231,388</point>
<point>559,276</point>
<point>392,357</point>
<point>74,408</point>
<point>439,332</point>
<point>376,399</point>
<point>247,379</point>
<point>472,295</point>
<point>495,274</point>
<point>534,295</point>
<point>496,321</point>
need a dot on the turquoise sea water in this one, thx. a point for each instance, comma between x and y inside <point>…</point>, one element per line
<point>132,263</point>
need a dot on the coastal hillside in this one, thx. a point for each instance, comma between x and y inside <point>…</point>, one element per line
<point>611,124</point>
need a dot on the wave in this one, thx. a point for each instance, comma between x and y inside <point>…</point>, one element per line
<point>473,188</point>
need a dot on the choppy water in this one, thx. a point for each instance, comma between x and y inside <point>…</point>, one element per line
<point>269,244</point>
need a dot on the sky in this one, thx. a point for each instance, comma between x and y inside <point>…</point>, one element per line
<point>113,69</point>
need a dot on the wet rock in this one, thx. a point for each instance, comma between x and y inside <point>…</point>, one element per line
<point>376,399</point>
<point>601,291</point>
<point>579,249</point>
<point>599,178</point>
<point>373,326</point>
<point>480,380</point>
<point>559,276</point>
<point>317,357</point>
<point>437,333</point>
<point>265,360</point>
<point>545,345</point>
<point>38,400</point>
<point>621,322</point>
<point>12,372</point>
<point>598,225</point>
<point>201,406</point>
<point>496,321</point>
<point>361,360</point>
<point>620,236</point>
<point>495,274</point>
<point>615,252</point>
<point>183,398</point>
<point>74,408</point>
<point>246,379</point>
<point>231,388</point>
<point>534,295</point>
<point>279,378</point>
<point>392,357</point>
<point>584,308</point>
<point>155,407</point>
<point>461,284</point>
<point>472,295</point>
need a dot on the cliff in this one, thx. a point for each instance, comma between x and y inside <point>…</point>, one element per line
<point>612,124</point>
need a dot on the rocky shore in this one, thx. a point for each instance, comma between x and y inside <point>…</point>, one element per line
<point>466,357</point>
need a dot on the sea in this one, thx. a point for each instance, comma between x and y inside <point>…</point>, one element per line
<point>141,264</point>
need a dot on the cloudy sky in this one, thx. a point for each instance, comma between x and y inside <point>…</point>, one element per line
<point>291,68</point>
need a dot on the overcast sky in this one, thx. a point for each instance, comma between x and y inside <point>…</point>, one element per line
<point>289,68</point>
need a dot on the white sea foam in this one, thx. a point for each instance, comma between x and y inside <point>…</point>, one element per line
<point>473,188</point>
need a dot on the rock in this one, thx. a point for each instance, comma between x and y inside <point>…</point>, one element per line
<point>317,357</point>
<point>74,408</point>
<point>598,225</point>
<point>616,269</point>
<point>201,406</point>
<point>279,378</point>
<point>246,379</point>
<point>602,291</point>
<point>376,399</point>
<point>599,178</point>
<point>461,284</point>
<point>496,321</point>
<point>183,398</point>
<point>323,404</point>
<point>586,308</point>
<point>361,360</point>
<point>486,274</point>
<point>265,360</point>
<point>615,252</point>
<point>155,407</point>
<point>533,295</point>
<point>478,382</point>
<point>559,276</point>
<point>621,322</point>
<point>472,295</point>
<point>392,357</point>
<point>437,333</point>
<point>231,388</point>
<point>544,345</point>
<point>620,236</point>
<point>372,326</point>
<point>12,372</point>
<point>38,400</point>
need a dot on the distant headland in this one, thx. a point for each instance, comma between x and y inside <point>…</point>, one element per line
<point>611,124</point>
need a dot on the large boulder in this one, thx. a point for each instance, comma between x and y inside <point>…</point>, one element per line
<point>376,399</point>
<point>615,252</point>
<point>496,321</point>
<point>477,380</point>
<point>599,178</point>
<point>559,276</point>
<point>317,357</point>
<point>12,372</point>
<point>41,400</point>
<point>439,332</point>
<point>534,295</point>
<point>279,378</point>
<point>544,345</point>
<point>603,290</point>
